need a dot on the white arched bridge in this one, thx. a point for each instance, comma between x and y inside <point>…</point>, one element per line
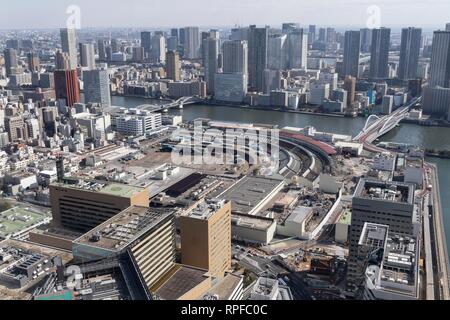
<point>378,126</point>
<point>175,104</point>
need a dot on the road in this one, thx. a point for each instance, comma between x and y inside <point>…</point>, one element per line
<point>439,237</point>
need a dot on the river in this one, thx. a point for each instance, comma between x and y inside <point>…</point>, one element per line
<point>427,137</point>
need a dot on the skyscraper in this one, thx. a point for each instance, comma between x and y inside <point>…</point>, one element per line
<point>257,56</point>
<point>191,42</point>
<point>379,59</point>
<point>440,60</point>
<point>66,86</point>
<point>11,61</point>
<point>158,51</point>
<point>33,61</point>
<point>289,26</point>
<point>210,54</point>
<point>87,55</point>
<point>138,54</point>
<point>409,53</point>
<point>322,34</point>
<point>62,61</point>
<point>352,48</point>
<point>277,52</point>
<point>96,87</point>
<point>311,34</point>
<point>447,27</point>
<point>366,39</point>
<point>297,49</point>
<point>235,56</point>
<point>101,44</point>
<point>173,65</point>
<point>146,42</point>
<point>374,202</point>
<point>68,43</point>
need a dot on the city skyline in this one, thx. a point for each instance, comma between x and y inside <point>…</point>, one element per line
<point>352,13</point>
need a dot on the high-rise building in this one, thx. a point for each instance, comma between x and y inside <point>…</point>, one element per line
<point>409,53</point>
<point>15,128</point>
<point>33,61</point>
<point>96,87</point>
<point>311,34</point>
<point>173,70</point>
<point>174,32</point>
<point>447,27</point>
<point>86,204</point>
<point>101,45</point>
<point>158,51</point>
<point>172,43</point>
<point>440,60</point>
<point>69,45</point>
<point>206,237</point>
<point>146,42</point>
<point>191,42</point>
<point>297,55</point>
<point>62,61</point>
<point>67,87</point>
<point>235,56</point>
<point>379,59</point>
<point>230,87</point>
<point>436,101</point>
<point>352,48</point>
<point>115,46</point>
<point>210,55</point>
<point>366,39</point>
<point>388,203</point>
<point>277,52</point>
<point>87,55</point>
<point>138,54</point>
<point>322,34</point>
<point>11,61</point>
<point>350,87</point>
<point>239,34</point>
<point>289,27</point>
<point>331,35</point>
<point>257,56</point>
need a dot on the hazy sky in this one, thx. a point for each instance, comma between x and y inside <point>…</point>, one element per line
<point>19,14</point>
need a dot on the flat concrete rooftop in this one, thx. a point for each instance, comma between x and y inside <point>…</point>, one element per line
<point>17,219</point>
<point>178,281</point>
<point>250,192</point>
<point>116,233</point>
<point>115,189</point>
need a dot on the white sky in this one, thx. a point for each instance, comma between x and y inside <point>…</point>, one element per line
<point>21,14</point>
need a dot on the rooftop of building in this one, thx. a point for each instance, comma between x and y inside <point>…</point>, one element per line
<point>346,217</point>
<point>251,222</point>
<point>300,214</point>
<point>250,191</point>
<point>127,226</point>
<point>178,281</point>
<point>226,286</point>
<point>374,235</point>
<point>401,256</point>
<point>392,191</point>
<point>19,219</point>
<point>398,271</point>
<point>205,209</point>
<point>114,189</point>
